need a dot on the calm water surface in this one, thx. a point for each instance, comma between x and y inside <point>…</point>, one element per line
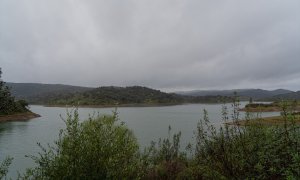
<point>18,139</point>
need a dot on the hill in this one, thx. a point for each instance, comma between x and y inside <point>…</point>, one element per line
<point>58,94</point>
<point>118,96</point>
<point>254,93</point>
<point>37,93</point>
<point>288,96</point>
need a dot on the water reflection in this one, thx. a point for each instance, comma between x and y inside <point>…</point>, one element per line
<point>10,127</point>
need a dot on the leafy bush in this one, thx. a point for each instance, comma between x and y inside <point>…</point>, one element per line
<point>165,160</point>
<point>99,148</point>
<point>253,151</point>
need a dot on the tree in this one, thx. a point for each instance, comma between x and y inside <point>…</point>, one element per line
<point>8,105</point>
<point>5,99</point>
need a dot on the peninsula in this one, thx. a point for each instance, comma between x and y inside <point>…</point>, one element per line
<point>11,109</point>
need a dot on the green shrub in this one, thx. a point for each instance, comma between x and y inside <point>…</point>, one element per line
<point>99,148</point>
<point>248,152</point>
<point>165,160</point>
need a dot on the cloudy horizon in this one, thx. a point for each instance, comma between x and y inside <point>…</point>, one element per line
<point>168,45</point>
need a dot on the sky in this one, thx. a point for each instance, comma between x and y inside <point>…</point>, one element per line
<point>164,44</point>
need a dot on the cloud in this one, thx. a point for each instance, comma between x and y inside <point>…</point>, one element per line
<point>167,44</point>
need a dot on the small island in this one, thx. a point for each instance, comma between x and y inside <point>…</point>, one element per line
<point>276,106</point>
<point>288,107</point>
<point>10,109</point>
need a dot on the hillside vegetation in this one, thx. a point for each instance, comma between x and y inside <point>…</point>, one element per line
<point>134,95</point>
<point>117,96</point>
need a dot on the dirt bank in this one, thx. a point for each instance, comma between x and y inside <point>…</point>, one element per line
<point>18,117</point>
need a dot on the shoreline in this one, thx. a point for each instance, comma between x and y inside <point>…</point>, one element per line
<point>18,117</point>
<point>123,105</point>
<point>110,106</point>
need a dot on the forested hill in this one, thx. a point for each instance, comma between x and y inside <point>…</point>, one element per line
<point>118,96</point>
<point>134,95</point>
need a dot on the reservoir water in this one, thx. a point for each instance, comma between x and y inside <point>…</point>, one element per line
<point>20,138</point>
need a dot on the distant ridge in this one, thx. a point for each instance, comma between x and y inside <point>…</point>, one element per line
<point>58,94</point>
<point>287,96</point>
<point>36,92</point>
<point>254,93</point>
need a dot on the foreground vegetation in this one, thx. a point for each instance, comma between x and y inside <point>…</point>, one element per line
<point>104,148</point>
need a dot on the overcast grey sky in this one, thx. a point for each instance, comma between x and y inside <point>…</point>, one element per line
<point>164,44</point>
